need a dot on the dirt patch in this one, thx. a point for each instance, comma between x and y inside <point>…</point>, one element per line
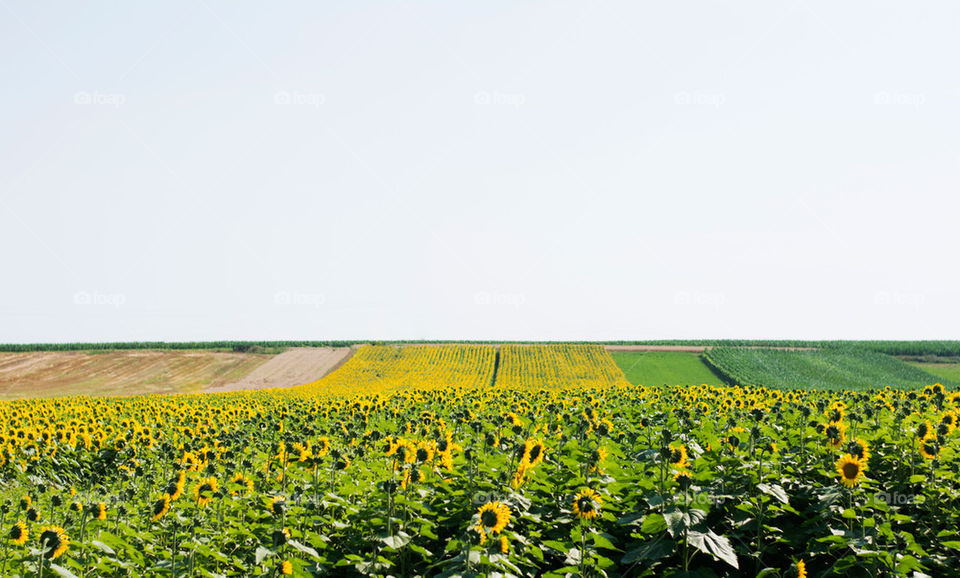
<point>295,366</point>
<point>120,372</point>
<point>677,348</point>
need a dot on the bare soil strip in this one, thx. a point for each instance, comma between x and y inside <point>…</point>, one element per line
<point>127,372</point>
<point>295,366</point>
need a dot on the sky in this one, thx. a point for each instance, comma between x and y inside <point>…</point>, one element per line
<point>200,170</point>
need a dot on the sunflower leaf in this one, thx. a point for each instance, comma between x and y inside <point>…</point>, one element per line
<point>61,571</point>
<point>263,553</point>
<point>776,491</point>
<point>715,545</point>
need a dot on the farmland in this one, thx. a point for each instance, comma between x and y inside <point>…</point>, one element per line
<point>664,368</point>
<point>468,460</point>
<point>140,371</point>
<point>831,368</point>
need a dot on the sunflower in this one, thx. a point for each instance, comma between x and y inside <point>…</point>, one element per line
<point>276,505</point>
<point>176,485</point>
<point>18,533</point>
<point>859,449</point>
<point>97,510</point>
<point>836,433</point>
<point>245,485</point>
<point>204,489</point>
<point>504,544</point>
<point>678,456</point>
<point>161,507</point>
<point>586,504</point>
<point>683,479</point>
<point>924,431</point>
<point>596,459</point>
<point>849,469</point>
<point>494,517</point>
<point>950,420</point>
<point>532,452</point>
<point>323,446</point>
<point>280,537</point>
<point>929,449</point>
<point>54,540</point>
<point>801,569</point>
<point>286,568</point>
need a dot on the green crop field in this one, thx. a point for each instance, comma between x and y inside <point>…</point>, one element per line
<point>835,368</point>
<point>947,371</point>
<point>664,368</point>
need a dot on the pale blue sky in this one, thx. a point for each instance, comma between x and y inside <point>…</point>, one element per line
<point>525,170</point>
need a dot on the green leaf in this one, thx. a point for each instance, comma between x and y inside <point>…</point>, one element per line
<point>397,541</point>
<point>106,549</point>
<point>263,553</point>
<point>305,549</point>
<point>649,550</point>
<point>951,544</point>
<point>716,546</point>
<point>653,524</point>
<point>604,540</point>
<point>776,491</point>
<point>61,571</point>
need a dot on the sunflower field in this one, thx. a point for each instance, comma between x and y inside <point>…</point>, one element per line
<point>460,460</point>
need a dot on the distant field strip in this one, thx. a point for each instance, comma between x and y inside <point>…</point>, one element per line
<point>665,368</point>
<point>387,368</point>
<point>839,368</point>
<point>549,366</point>
<point>47,374</point>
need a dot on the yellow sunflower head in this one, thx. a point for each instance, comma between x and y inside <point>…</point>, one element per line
<point>929,449</point>
<point>849,468</point>
<point>204,490</point>
<point>859,449</point>
<point>54,541</point>
<point>160,507</point>
<point>494,517</point>
<point>586,504</point>
<point>18,533</point>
